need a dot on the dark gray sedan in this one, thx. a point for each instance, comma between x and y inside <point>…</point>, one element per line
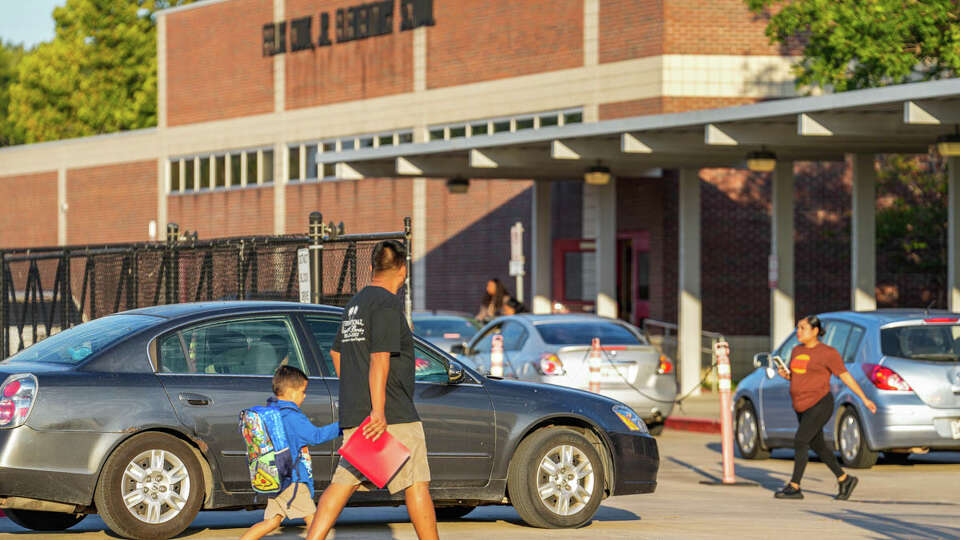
<point>134,416</point>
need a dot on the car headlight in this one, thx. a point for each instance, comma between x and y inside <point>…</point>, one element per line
<point>629,418</point>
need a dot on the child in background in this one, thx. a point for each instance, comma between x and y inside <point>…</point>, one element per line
<point>295,500</point>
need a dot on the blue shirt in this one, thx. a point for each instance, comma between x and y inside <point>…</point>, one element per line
<point>300,434</point>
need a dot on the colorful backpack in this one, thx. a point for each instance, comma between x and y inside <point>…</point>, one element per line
<point>269,459</point>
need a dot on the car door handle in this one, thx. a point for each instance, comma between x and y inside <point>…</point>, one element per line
<point>197,400</point>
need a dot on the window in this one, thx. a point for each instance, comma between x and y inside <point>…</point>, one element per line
<point>76,344</point>
<point>267,166</point>
<point>458,131</point>
<point>236,170</point>
<point>294,163</point>
<point>932,343</point>
<point>514,336</point>
<point>237,347</point>
<point>324,333</point>
<point>220,171</point>
<point>385,140</point>
<point>346,144</point>
<point>582,333</point>
<point>252,168</point>
<point>478,129</point>
<point>428,368</point>
<point>204,173</point>
<point>524,123</point>
<point>445,327</point>
<point>189,173</point>
<point>786,349</point>
<point>853,344</point>
<point>575,117</point>
<point>175,175</point>
<point>485,343</point>
<point>405,137</point>
<point>549,120</point>
<point>836,335</point>
<point>501,126</point>
<point>436,134</point>
<point>366,142</point>
<point>311,172</point>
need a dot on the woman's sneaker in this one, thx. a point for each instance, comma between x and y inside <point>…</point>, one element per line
<point>846,488</point>
<point>789,492</point>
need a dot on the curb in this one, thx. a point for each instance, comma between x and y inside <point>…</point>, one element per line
<point>699,425</point>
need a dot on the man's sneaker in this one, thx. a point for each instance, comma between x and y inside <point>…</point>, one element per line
<point>846,488</point>
<point>789,492</point>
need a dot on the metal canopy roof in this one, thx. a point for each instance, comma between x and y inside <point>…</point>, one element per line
<point>895,119</point>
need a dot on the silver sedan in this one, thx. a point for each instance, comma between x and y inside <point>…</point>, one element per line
<point>555,349</point>
<point>906,361</point>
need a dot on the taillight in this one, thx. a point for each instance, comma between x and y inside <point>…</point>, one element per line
<point>550,364</point>
<point>885,378</point>
<point>19,393</point>
<point>937,320</point>
<point>665,366</point>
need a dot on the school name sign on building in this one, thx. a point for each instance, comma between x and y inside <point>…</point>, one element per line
<point>349,24</point>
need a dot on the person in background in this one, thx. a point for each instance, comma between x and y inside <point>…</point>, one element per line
<point>493,301</point>
<point>811,365</point>
<point>513,306</point>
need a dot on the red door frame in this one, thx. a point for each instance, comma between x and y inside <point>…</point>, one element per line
<point>641,244</point>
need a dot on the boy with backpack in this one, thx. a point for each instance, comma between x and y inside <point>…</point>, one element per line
<point>290,462</point>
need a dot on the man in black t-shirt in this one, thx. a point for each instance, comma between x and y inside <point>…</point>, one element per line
<point>373,356</point>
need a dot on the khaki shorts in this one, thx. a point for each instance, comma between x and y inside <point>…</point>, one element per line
<point>301,507</point>
<point>416,469</point>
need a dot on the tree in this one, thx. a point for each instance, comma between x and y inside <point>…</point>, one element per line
<point>10,56</point>
<point>98,75</point>
<point>851,44</point>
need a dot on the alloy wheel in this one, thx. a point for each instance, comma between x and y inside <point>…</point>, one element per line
<point>155,486</point>
<point>747,430</point>
<point>565,480</point>
<point>850,437</point>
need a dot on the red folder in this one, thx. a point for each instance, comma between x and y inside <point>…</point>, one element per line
<point>378,460</point>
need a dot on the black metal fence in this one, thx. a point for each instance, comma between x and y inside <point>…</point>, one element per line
<point>46,290</point>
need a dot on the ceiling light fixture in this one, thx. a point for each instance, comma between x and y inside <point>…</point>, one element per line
<point>762,161</point>
<point>598,175</point>
<point>458,185</point>
<point>949,145</point>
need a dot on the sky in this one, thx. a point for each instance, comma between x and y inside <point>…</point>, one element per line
<point>27,21</point>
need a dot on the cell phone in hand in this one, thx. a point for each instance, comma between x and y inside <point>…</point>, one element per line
<point>781,364</point>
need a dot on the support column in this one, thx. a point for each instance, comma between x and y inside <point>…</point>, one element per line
<point>280,173</point>
<point>541,250</point>
<point>606,258</point>
<point>689,320</point>
<point>953,234</point>
<point>782,309</point>
<point>62,206</point>
<point>863,241</point>
<point>419,241</point>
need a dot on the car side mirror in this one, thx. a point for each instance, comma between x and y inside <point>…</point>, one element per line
<point>454,373</point>
<point>459,348</point>
<point>761,359</point>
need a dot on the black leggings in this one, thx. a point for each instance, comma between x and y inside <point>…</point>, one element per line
<point>810,435</point>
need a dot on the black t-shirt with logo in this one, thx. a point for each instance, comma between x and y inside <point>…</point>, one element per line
<point>373,322</point>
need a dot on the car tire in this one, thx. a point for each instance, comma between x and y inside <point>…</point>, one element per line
<point>454,512</point>
<point>655,428</point>
<point>747,433</point>
<point>37,520</point>
<point>575,472</point>
<point>147,509</point>
<point>852,442</point>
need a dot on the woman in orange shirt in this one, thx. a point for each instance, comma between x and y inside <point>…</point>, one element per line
<point>811,365</point>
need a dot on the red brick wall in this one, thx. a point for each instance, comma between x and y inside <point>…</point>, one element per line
<point>114,203</point>
<point>668,104</point>
<point>29,218</point>
<point>716,27</point>
<point>630,29</point>
<point>215,63</point>
<point>468,237</point>
<point>349,71</point>
<point>479,40</point>
<point>364,206</point>
<point>219,214</point>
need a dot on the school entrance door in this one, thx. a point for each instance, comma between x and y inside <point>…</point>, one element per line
<point>575,283</point>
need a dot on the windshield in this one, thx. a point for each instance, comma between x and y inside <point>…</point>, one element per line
<point>582,333</point>
<point>922,342</point>
<point>76,344</point>
<point>444,327</point>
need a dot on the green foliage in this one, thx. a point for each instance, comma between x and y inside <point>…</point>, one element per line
<point>851,44</point>
<point>10,56</point>
<point>98,75</point>
<point>912,218</point>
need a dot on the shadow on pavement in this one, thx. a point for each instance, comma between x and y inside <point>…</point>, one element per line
<point>889,527</point>
<point>506,514</point>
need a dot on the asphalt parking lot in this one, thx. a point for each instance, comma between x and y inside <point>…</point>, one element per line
<point>918,500</point>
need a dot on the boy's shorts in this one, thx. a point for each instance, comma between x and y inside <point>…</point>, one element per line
<point>416,469</point>
<point>301,507</point>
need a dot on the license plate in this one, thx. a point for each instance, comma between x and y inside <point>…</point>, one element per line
<point>955,427</point>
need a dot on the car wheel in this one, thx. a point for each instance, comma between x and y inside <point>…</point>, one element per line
<point>556,479</point>
<point>454,512</point>
<point>655,428</point>
<point>150,487</point>
<point>853,444</point>
<point>36,520</point>
<point>748,433</point>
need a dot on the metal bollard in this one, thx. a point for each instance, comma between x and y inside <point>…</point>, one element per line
<point>496,356</point>
<point>721,351</point>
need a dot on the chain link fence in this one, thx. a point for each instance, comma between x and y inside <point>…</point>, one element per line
<point>44,291</point>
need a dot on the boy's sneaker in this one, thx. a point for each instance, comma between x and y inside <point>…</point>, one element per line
<point>846,488</point>
<point>789,492</point>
